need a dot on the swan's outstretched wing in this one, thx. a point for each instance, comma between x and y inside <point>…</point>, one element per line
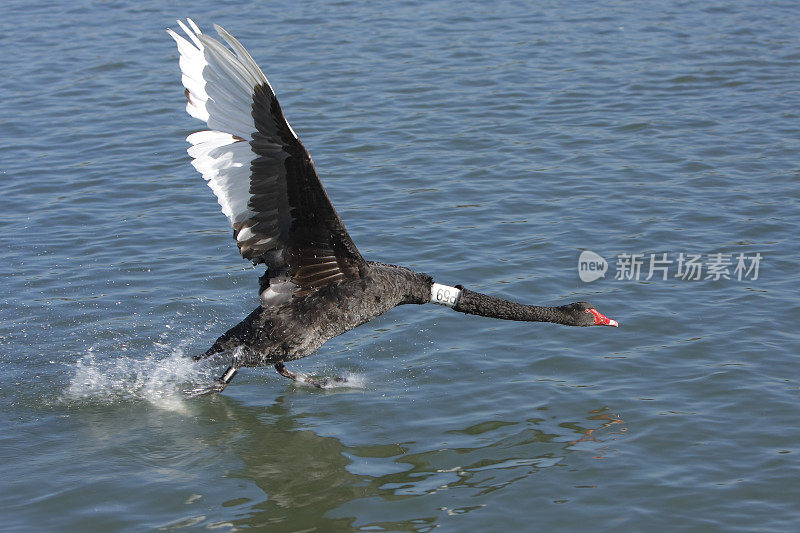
<point>261,173</point>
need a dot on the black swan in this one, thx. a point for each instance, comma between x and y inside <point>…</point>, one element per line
<point>316,285</point>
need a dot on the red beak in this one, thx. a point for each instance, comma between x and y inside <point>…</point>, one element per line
<point>602,320</point>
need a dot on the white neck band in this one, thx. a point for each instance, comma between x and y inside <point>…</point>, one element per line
<point>444,295</point>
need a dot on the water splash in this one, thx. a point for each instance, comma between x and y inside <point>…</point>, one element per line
<point>354,381</point>
<point>158,378</point>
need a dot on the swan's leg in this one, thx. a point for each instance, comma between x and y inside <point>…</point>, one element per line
<point>239,335</point>
<point>285,372</point>
<point>217,386</point>
<point>318,383</point>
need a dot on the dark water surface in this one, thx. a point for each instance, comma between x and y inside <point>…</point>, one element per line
<point>485,144</point>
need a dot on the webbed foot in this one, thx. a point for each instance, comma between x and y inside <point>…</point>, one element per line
<point>321,383</point>
<point>218,385</point>
<point>203,390</point>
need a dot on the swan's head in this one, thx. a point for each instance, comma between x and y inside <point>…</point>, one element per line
<point>586,315</point>
<point>600,319</point>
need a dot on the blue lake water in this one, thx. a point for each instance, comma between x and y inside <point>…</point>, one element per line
<point>484,144</point>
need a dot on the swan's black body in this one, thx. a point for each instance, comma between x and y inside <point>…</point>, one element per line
<point>271,335</point>
<point>316,285</point>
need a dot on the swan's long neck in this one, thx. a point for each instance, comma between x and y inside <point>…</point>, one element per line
<point>409,287</point>
<point>399,284</point>
<point>475,303</point>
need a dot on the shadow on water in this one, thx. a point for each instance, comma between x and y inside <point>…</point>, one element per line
<point>300,475</point>
<point>309,482</point>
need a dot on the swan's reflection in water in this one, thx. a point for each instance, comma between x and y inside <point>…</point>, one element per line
<point>309,482</point>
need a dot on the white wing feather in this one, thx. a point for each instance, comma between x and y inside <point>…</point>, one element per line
<point>224,163</point>
<point>220,88</point>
